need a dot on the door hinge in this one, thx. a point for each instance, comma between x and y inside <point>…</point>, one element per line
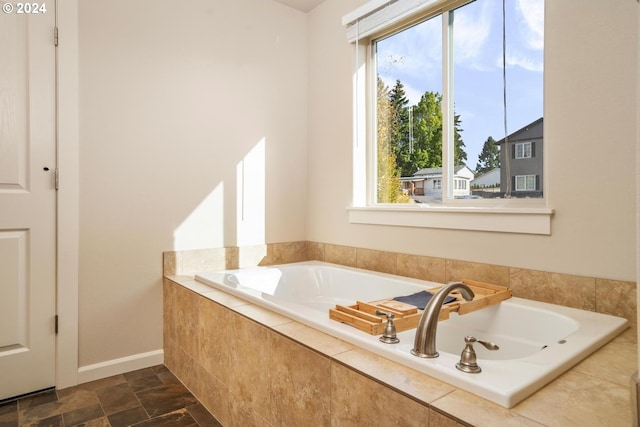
<point>56,324</point>
<point>55,36</point>
<point>57,179</point>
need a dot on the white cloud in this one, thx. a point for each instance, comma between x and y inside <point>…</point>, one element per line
<point>532,17</point>
<point>523,61</point>
<point>471,31</point>
<point>414,54</point>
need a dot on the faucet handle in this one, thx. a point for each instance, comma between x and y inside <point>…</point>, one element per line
<point>487,344</point>
<point>468,361</point>
<point>389,336</point>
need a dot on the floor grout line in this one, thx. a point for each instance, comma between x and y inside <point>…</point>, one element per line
<point>163,390</point>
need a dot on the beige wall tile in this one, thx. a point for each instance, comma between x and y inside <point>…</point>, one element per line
<point>564,289</point>
<point>574,291</point>
<point>250,256</point>
<point>300,384</point>
<point>232,258</point>
<point>169,320</point>
<point>170,262</point>
<point>374,260</point>
<point>343,255</point>
<point>282,253</point>
<point>182,366</point>
<point>243,414</point>
<point>577,399</point>
<point>171,357</point>
<point>315,251</point>
<point>617,298</point>
<point>357,400</point>
<point>187,321</point>
<point>214,337</point>
<point>206,260</point>
<point>531,284</point>
<point>250,347</point>
<point>436,419</point>
<point>215,397</point>
<point>422,267</point>
<point>459,270</point>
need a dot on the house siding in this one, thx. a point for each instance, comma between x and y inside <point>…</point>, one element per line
<point>527,166</point>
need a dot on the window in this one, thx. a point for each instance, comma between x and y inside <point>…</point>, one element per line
<point>440,92</point>
<point>460,184</point>
<point>523,150</point>
<point>525,183</point>
<point>446,93</point>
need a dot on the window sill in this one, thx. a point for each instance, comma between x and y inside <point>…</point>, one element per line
<point>503,220</point>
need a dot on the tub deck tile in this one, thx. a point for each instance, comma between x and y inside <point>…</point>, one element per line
<point>406,380</point>
<point>578,399</point>
<point>480,412</point>
<point>314,339</point>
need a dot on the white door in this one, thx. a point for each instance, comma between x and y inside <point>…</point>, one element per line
<point>27,199</point>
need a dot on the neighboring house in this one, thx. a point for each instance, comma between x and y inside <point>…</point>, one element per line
<point>426,183</point>
<point>488,181</point>
<point>522,161</point>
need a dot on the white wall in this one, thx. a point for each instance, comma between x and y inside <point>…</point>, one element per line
<point>173,98</point>
<point>590,141</point>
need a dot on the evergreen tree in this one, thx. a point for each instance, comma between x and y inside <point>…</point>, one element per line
<point>459,155</point>
<point>416,143</point>
<point>489,157</point>
<point>399,122</point>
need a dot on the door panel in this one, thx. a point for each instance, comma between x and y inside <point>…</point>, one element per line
<point>27,202</point>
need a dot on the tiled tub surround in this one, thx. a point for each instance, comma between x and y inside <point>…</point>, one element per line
<point>587,293</point>
<point>251,366</point>
<point>306,291</point>
<point>264,369</point>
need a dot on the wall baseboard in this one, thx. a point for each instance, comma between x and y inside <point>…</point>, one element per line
<point>112,367</point>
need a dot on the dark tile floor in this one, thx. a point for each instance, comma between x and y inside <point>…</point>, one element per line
<point>151,397</point>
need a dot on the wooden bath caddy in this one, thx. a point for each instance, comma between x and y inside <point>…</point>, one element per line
<point>363,315</point>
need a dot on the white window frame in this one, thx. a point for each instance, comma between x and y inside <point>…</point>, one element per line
<point>523,150</point>
<point>527,180</point>
<point>378,17</point>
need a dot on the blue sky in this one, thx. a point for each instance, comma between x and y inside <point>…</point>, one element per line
<point>415,58</point>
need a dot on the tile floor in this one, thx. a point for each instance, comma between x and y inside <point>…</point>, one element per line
<point>144,398</point>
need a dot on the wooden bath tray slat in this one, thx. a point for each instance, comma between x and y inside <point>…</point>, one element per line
<point>363,315</point>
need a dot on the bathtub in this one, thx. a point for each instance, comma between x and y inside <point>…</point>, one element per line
<point>538,341</point>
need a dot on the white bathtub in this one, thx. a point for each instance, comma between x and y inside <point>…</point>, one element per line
<point>538,341</point>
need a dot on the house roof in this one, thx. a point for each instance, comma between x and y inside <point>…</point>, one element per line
<point>490,172</point>
<point>436,171</point>
<point>531,131</point>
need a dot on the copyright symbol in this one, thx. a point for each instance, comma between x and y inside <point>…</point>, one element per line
<point>7,7</point>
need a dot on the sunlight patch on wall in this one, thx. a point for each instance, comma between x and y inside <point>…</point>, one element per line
<point>251,196</point>
<point>251,192</point>
<point>204,227</point>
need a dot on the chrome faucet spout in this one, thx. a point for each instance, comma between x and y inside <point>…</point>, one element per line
<point>425,341</point>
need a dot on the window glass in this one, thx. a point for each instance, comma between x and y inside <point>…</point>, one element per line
<point>414,80</point>
<point>523,150</point>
